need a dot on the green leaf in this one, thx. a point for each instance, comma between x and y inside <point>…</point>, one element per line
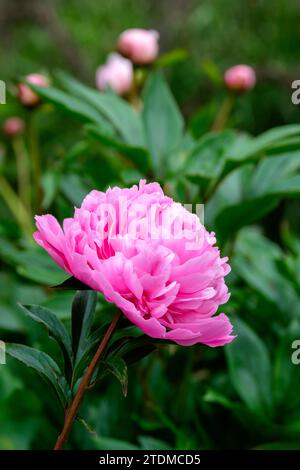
<point>50,184</point>
<point>212,396</point>
<point>289,267</point>
<point>162,119</point>
<point>117,366</point>
<point>10,320</point>
<point>87,355</point>
<point>73,188</point>
<point>83,309</point>
<point>273,172</point>
<point>255,260</point>
<point>55,328</point>
<point>244,148</point>
<point>250,192</point>
<point>203,119</point>
<point>265,141</point>
<point>44,365</point>
<point>73,106</point>
<point>232,206</point>
<point>131,176</point>
<point>133,349</point>
<point>213,72</point>
<point>72,284</point>
<point>250,369</point>
<point>32,263</point>
<point>118,112</point>
<point>286,381</point>
<point>170,58</point>
<point>206,160</point>
<point>138,155</point>
<point>287,187</point>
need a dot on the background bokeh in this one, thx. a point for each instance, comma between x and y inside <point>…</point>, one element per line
<point>60,34</point>
<point>185,398</point>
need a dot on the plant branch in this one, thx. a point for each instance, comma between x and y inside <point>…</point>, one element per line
<point>72,411</point>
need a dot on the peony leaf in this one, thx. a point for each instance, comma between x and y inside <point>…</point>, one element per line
<point>124,119</point>
<point>250,369</point>
<point>162,119</point>
<point>55,328</point>
<point>32,263</point>
<point>250,192</point>
<point>138,155</point>
<point>133,349</point>
<point>77,108</point>
<point>83,309</point>
<point>44,365</point>
<point>206,160</point>
<point>72,284</point>
<point>118,367</point>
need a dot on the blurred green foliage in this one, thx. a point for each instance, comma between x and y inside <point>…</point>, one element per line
<point>242,396</point>
<point>65,34</point>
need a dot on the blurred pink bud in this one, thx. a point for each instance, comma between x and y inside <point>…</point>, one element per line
<point>116,73</point>
<point>28,97</point>
<point>13,126</point>
<point>240,78</point>
<point>139,45</point>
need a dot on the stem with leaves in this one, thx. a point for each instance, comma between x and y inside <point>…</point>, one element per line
<point>72,411</point>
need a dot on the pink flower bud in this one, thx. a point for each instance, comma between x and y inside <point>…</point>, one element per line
<point>139,45</point>
<point>240,78</point>
<point>13,126</point>
<point>116,73</point>
<point>27,96</point>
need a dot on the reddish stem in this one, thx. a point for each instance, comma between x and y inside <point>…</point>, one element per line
<point>72,411</point>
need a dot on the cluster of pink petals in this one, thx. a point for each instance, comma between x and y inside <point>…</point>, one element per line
<point>139,45</point>
<point>240,78</point>
<point>117,73</point>
<point>168,291</point>
<point>26,95</point>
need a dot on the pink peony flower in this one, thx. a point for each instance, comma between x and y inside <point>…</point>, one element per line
<point>117,73</point>
<point>28,97</point>
<point>150,257</point>
<point>240,78</point>
<point>13,126</point>
<point>139,45</point>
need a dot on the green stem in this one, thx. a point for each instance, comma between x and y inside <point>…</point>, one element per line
<point>35,161</point>
<point>134,96</point>
<point>23,173</point>
<point>16,207</point>
<point>223,114</point>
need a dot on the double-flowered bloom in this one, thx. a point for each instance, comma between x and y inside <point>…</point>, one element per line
<point>150,257</point>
